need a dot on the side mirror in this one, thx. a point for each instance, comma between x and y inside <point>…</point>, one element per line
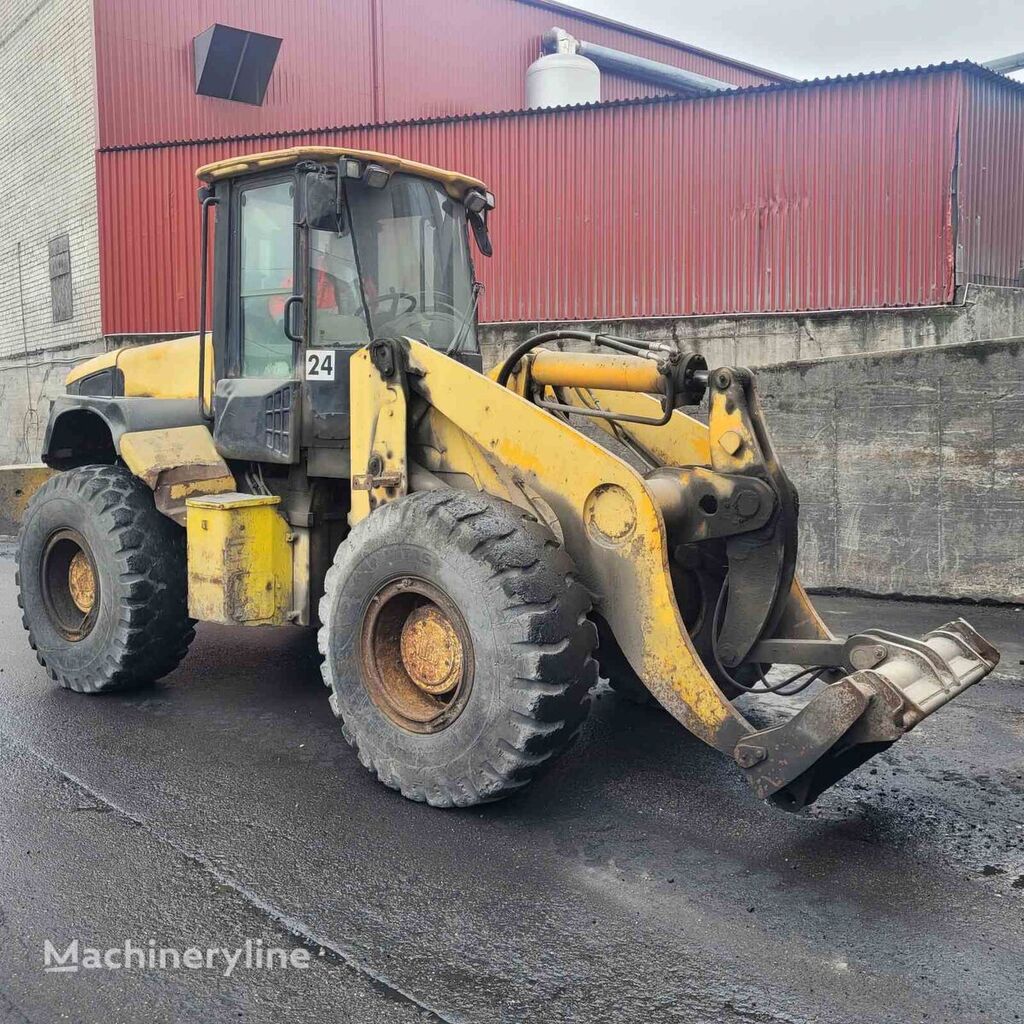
<point>479,204</point>
<point>322,205</point>
<point>478,222</point>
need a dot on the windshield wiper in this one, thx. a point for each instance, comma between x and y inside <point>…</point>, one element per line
<point>456,344</point>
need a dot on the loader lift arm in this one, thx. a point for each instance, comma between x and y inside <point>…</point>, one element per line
<point>722,483</point>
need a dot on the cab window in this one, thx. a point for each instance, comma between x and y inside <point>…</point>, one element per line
<point>339,316</point>
<point>413,249</point>
<point>266,278</point>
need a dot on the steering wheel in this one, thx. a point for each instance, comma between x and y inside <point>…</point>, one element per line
<point>394,298</point>
<point>444,305</point>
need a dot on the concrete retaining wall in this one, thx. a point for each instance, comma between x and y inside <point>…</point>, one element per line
<point>980,313</point>
<point>17,485</point>
<point>910,467</point>
<point>910,463</point>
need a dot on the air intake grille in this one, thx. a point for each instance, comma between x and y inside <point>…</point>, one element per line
<point>278,419</point>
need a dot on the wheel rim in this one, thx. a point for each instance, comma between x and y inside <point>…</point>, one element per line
<point>416,655</point>
<point>70,585</point>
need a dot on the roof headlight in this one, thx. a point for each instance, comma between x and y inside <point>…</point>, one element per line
<point>350,168</point>
<point>476,202</point>
<point>376,176</point>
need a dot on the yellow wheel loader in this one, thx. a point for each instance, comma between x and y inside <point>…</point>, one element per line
<point>472,547</point>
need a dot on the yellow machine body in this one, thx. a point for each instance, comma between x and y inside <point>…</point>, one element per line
<point>239,560</point>
<point>434,423</point>
<point>477,435</point>
<point>177,463</point>
<point>165,369</point>
<point>599,370</point>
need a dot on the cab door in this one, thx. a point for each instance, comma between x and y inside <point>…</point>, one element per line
<point>257,403</point>
<point>334,320</point>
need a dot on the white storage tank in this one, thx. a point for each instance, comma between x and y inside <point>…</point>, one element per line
<point>562,80</point>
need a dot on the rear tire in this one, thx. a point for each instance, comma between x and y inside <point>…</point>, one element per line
<point>508,687</point>
<point>102,581</point>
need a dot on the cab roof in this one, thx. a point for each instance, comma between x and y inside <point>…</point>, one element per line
<point>456,185</point>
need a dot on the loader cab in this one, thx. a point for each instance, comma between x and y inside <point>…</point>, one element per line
<point>314,257</point>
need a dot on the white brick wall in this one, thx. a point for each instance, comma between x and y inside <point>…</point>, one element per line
<point>47,188</point>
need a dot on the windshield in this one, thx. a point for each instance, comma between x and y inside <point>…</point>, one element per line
<point>413,257</point>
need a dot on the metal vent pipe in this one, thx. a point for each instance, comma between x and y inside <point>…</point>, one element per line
<point>557,40</point>
<point>1004,65</point>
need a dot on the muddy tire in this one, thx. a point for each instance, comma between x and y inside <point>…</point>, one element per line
<point>456,646</point>
<point>102,581</point>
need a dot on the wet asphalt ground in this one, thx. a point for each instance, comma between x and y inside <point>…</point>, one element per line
<point>638,881</point>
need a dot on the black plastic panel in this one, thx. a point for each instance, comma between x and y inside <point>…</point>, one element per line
<point>119,415</point>
<point>108,383</point>
<point>234,64</point>
<point>279,420</point>
<point>256,419</point>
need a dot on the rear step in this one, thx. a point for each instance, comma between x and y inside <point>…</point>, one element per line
<point>864,713</point>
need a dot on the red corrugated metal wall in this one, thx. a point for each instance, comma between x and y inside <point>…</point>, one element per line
<point>824,197</point>
<point>344,62</point>
<point>990,185</point>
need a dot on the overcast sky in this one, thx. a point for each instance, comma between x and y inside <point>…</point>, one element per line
<point>813,38</point>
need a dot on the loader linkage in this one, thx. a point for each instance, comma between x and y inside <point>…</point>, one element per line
<point>900,682</point>
<point>730,523</point>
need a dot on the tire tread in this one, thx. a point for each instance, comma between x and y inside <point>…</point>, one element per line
<point>153,630</point>
<point>545,609</point>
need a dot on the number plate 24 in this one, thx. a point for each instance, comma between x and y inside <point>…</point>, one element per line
<point>320,363</point>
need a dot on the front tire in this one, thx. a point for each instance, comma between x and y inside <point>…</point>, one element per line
<point>456,646</point>
<point>102,581</point>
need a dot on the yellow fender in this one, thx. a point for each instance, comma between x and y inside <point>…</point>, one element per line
<point>178,463</point>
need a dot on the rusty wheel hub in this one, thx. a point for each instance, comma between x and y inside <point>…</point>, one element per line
<point>70,584</point>
<point>82,582</point>
<point>416,655</point>
<point>431,650</point>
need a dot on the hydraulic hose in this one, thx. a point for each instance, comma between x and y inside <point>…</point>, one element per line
<point>539,339</point>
